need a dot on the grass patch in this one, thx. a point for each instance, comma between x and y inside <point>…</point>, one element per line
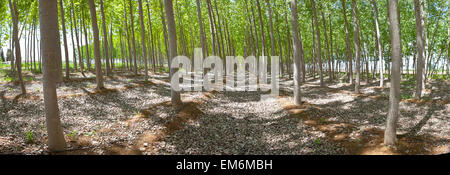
<point>407,96</point>
<point>73,135</point>
<point>4,65</point>
<point>29,137</point>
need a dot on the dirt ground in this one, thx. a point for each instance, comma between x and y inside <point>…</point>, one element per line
<point>134,116</point>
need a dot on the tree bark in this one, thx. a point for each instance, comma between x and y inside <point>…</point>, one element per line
<point>347,41</point>
<point>272,41</point>
<point>256,34</point>
<point>144,52</point>
<point>151,45</point>
<point>88,60</point>
<point>66,51</point>
<point>48,15</point>
<point>80,58</point>
<point>418,9</point>
<point>288,47</point>
<point>75,66</point>
<point>220,34</point>
<point>176,99</point>
<point>122,53</point>
<point>105,40</point>
<point>129,60</point>
<point>111,46</point>
<point>380,49</point>
<point>331,47</point>
<point>390,137</point>
<point>98,63</point>
<point>15,19</point>
<point>134,40</point>
<point>327,45</point>
<point>313,49</point>
<point>297,53</point>
<point>34,46</point>
<point>211,26</point>
<point>448,43</point>
<point>163,20</point>
<point>11,45</point>
<point>217,31</point>
<point>319,43</point>
<point>263,43</point>
<point>357,46</point>
<point>200,23</point>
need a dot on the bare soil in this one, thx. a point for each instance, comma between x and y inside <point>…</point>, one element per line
<point>133,116</point>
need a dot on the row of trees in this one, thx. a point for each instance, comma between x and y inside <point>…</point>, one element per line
<point>317,40</point>
<point>259,28</point>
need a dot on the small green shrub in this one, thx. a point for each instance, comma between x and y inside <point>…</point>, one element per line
<point>29,136</point>
<point>317,141</point>
<point>89,134</point>
<point>73,134</point>
<point>407,96</point>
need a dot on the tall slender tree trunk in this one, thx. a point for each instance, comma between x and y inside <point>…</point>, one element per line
<point>48,15</point>
<point>220,33</point>
<point>15,19</point>
<point>122,53</point>
<point>263,43</point>
<point>212,29</point>
<point>151,45</point>
<point>134,40</point>
<point>366,58</point>
<point>88,59</point>
<point>297,53</point>
<point>280,46</point>
<point>105,40</point>
<point>302,58</point>
<point>331,53</point>
<point>229,40</point>
<point>313,49</point>
<point>144,52</point>
<point>272,41</point>
<point>418,9</point>
<point>380,49</point>
<point>11,46</point>
<point>327,45</point>
<point>176,99</point>
<point>390,137</point>
<point>319,43</point>
<point>66,51</point>
<point>430,47</point>
<point>181,34</point>
<point>129,60</point>
<point>80,58</point>
<point>40,56</point>
<point>98,63</point>
<point>258,52</point>
<point>27,47</point>
<point>357,46</point>
<point>75,66</point>
<point>216,32</point>
<point>448,43</point>
<point>111,46</point>
<point>288,46</point>
<point>34,46</point>
<point>200,23</point>
<point>347,41</point>
<point>375,65</point>
<point>163,20</point>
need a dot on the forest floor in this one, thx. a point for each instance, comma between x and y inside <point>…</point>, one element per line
<point>133,116</point>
